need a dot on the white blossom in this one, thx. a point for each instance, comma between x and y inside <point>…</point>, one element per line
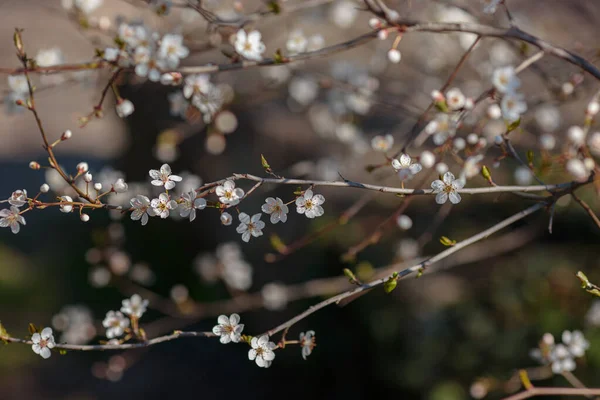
<point>250,226</point>
<point>310,205</point>
<point>447,188</point>
<point>142,209</point>
<point>505,80</point>
<point>405,167</point>
<point>308,343</point>
<point>189,204</point>
<point>11,218</point>
<point>513,106</point>
<point>135,306</point>
<point>276,208</point>
<point>455,99</point>
<point>249,45</point>
<point>229,329</point>
<point>164,177</point>
<point>382,143</point>
<point>229,194</point>
<point>42,343</point>
<point>18,198</point>
<point>262,351</point>
<point>163,205</point>
<point>115,323</point>
<point>172,50</point>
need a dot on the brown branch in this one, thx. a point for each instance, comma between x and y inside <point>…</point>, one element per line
<point>587,209</point>
<point>552,391</point>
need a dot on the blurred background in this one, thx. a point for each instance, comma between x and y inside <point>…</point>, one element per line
<point>458,333</point>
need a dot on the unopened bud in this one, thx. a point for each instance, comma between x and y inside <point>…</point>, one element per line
<point>34,165</point>
<point>87,177</point>
<point>98,186</point>
<point>45,188</point>
<point>593,108</point>
<point>66,135</point>
<point>84,217</point>
<point>82,167</point>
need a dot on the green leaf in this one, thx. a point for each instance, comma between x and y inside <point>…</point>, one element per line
<point>485,172</point>
<point>277,243</point>
<point>513,125</point>
<point>447,241</point>
<point>264,163</point>
<point>530,156</point>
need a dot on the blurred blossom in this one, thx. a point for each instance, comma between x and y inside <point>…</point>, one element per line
<point>276,75</point>
<point>594,143</point>
<point>274,296</point>
<point>303,90</point>
<point>592,317</point>
<point>523,176</point>
<point>76,324</point>
<point>179,294</point>
<point>561,359</point>
<point>206,267</point>
<point>455,14</point>
<point>576,342</point>
<point>407,249</point>
<point>548,118</point>
<point>135,306</point>
<point>142,274</point>
<point>577,169</point>
<point>382,143</point>
<point>343,13</point>
<point>547,141</point>
<point>99,277</point>
<point>404,222</point>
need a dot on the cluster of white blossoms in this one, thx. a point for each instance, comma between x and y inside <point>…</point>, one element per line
<point>506,83</point>
<point>11,217</point>
<point>561,356</point>
<point>187,203</point>
<point>229,330</point>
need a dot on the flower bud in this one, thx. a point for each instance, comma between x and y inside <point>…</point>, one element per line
<point>98,186</point>
<point>66,135</point>
<point>394,56</point>
<point>34,165</point>
<point>84,217</point>
<point>87,177</point>
<point>45,188</point>
<point>82,167</point>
